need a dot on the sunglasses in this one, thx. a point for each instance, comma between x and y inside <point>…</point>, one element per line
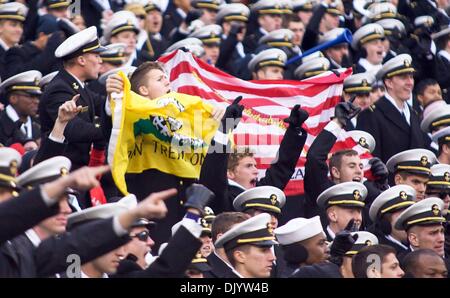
<point>142,236</point>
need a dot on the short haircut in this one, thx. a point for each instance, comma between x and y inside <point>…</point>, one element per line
<point>236,156</point>
<point>294,18</point>
<point>424,84</point>
<point>336,158</point>
<point>139,76</point>
<point>224,221</point>
<point>411,260</point>
<point>363,260</point>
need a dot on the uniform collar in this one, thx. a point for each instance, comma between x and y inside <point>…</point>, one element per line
<point>234,183</point>
<point>12,114</point>
<point>392,239</point>
<point>4,45</point>
<point>444,54</point>
<point>76,79</point>
<point>33,237</point>
<point>404,110</point>
<point>331,233</point>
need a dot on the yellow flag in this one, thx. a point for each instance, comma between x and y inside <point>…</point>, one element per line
<point>170,133</point>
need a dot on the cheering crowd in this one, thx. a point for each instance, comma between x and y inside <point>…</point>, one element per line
<point>67,68</point>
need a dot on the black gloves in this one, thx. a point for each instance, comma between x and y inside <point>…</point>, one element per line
<point>297,117</point>
<point>232,116</point>
<point>193,15</point>
<point>198,197</point>
<point>379,170</point>
<point>342,243</point>
<point>345,111</point>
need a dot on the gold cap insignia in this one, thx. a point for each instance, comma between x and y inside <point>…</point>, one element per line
<point>447,176</point>
<point>12,184</point>
<point>368,243</point>
<point>198,255</point>
<point>407,63</point>
<point>204,223</point>
<point>364,83</point>
<point>129,22</point>
<point>435,209</point>
<point>13,167</point>
<point>64,171</point>
<point>36,81</point>
<point>362,141</point>
<point>213,35</point>
<point>280,58</point>
<point>273,199</point>
<point>75,86</point>
<point>424,160</point>
<point>356,194</point>
<point>403,195</point>
<point>269,228</point>
<point>286,38</point>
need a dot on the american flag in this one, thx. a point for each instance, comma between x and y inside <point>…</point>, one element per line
<point>266,104</point>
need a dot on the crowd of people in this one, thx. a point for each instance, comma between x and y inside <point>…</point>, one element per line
<point>59,65</point>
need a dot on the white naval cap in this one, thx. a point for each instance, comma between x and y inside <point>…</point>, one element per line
<point>442,33</point>
<point>367,33</point>
<point>298,229</point>
<point>425,212</point>
<point>397,65</point>
<point>383,10</point>
<point>312,56</point>
<point>426,21</point>
<point>364,239</point>
<point>331,35</point>
<point>391,25</point>
<point>278,38</point>
<point>269,57</point>
<point>360,7</point>
<point>312,68</point>
<point>359,83</point>
<point>45,171</point>
<point>10,160</point>
<point>85,41</point>
<point>441,136</point>
<point>47,79</point>
<point>363,139</point>
<point>415,161</point>
<point>286,6</point>
<point>121,21</point>
<point>55,4</point>
<point>13,11</point>
<point>27,81</point>
<point>209,214</point>
<point>333,9</point>
<point>102,211</point>
<point>151,5</point>
<point>233,12</point>
<point>267,198</point>
<point>192,44</point>
<point>437,118</point>
<point>303,5</point>
<point>127,70</point>
<point>432,106</point>
<point>439,178</point>
<point>209,4</point>
<point>268,7</point>
<point>114,53</point>
<point>347,194</point>
<point>209,34</point>
<point>256,230</point>
<point>396,198</point>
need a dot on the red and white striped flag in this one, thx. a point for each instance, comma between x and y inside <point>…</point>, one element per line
<point>266,104</point>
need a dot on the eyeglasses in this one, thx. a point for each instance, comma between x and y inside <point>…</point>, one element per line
<point>142,236</point>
